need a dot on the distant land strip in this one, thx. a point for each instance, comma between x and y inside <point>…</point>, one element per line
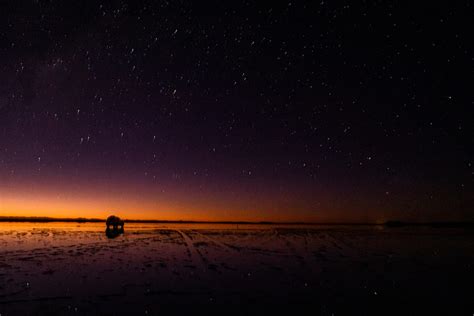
<point>42,219</point>
<point>394,224</point>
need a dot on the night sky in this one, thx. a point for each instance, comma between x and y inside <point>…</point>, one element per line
<point>297,111</point>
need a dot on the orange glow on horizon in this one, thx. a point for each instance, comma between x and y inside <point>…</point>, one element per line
<point>47,204</point>
<point>73,198</point>
<point>97,197</point>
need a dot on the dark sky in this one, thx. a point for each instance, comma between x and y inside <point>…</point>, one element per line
<point>331,111</point>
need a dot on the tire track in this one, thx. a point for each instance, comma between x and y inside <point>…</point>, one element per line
<point>195,256</point>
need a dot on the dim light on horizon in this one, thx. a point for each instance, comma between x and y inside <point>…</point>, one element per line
<point>180,203</point>
<point>43,205</point>
<point>49,203</point>
<point>133,200</point>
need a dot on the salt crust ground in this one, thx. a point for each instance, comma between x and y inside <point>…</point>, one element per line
<point>75,269</point>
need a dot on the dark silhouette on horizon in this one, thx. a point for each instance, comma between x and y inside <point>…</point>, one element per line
<point>114,226</point>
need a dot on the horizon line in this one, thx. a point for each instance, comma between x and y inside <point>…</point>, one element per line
<point>390,223</point>
<point>183,221</point>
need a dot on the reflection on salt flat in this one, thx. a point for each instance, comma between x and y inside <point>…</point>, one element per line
<point>153,263</point>
<point>18,235</point>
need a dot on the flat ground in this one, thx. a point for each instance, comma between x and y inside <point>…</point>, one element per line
<point>342,270</point>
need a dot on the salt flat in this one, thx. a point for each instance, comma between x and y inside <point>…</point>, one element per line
<point>68,268</point>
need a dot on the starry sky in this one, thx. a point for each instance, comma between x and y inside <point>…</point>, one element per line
<point>289,111</point>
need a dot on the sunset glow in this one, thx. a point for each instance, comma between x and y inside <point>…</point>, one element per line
<point>115,111</point>
<point>236,157</point>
